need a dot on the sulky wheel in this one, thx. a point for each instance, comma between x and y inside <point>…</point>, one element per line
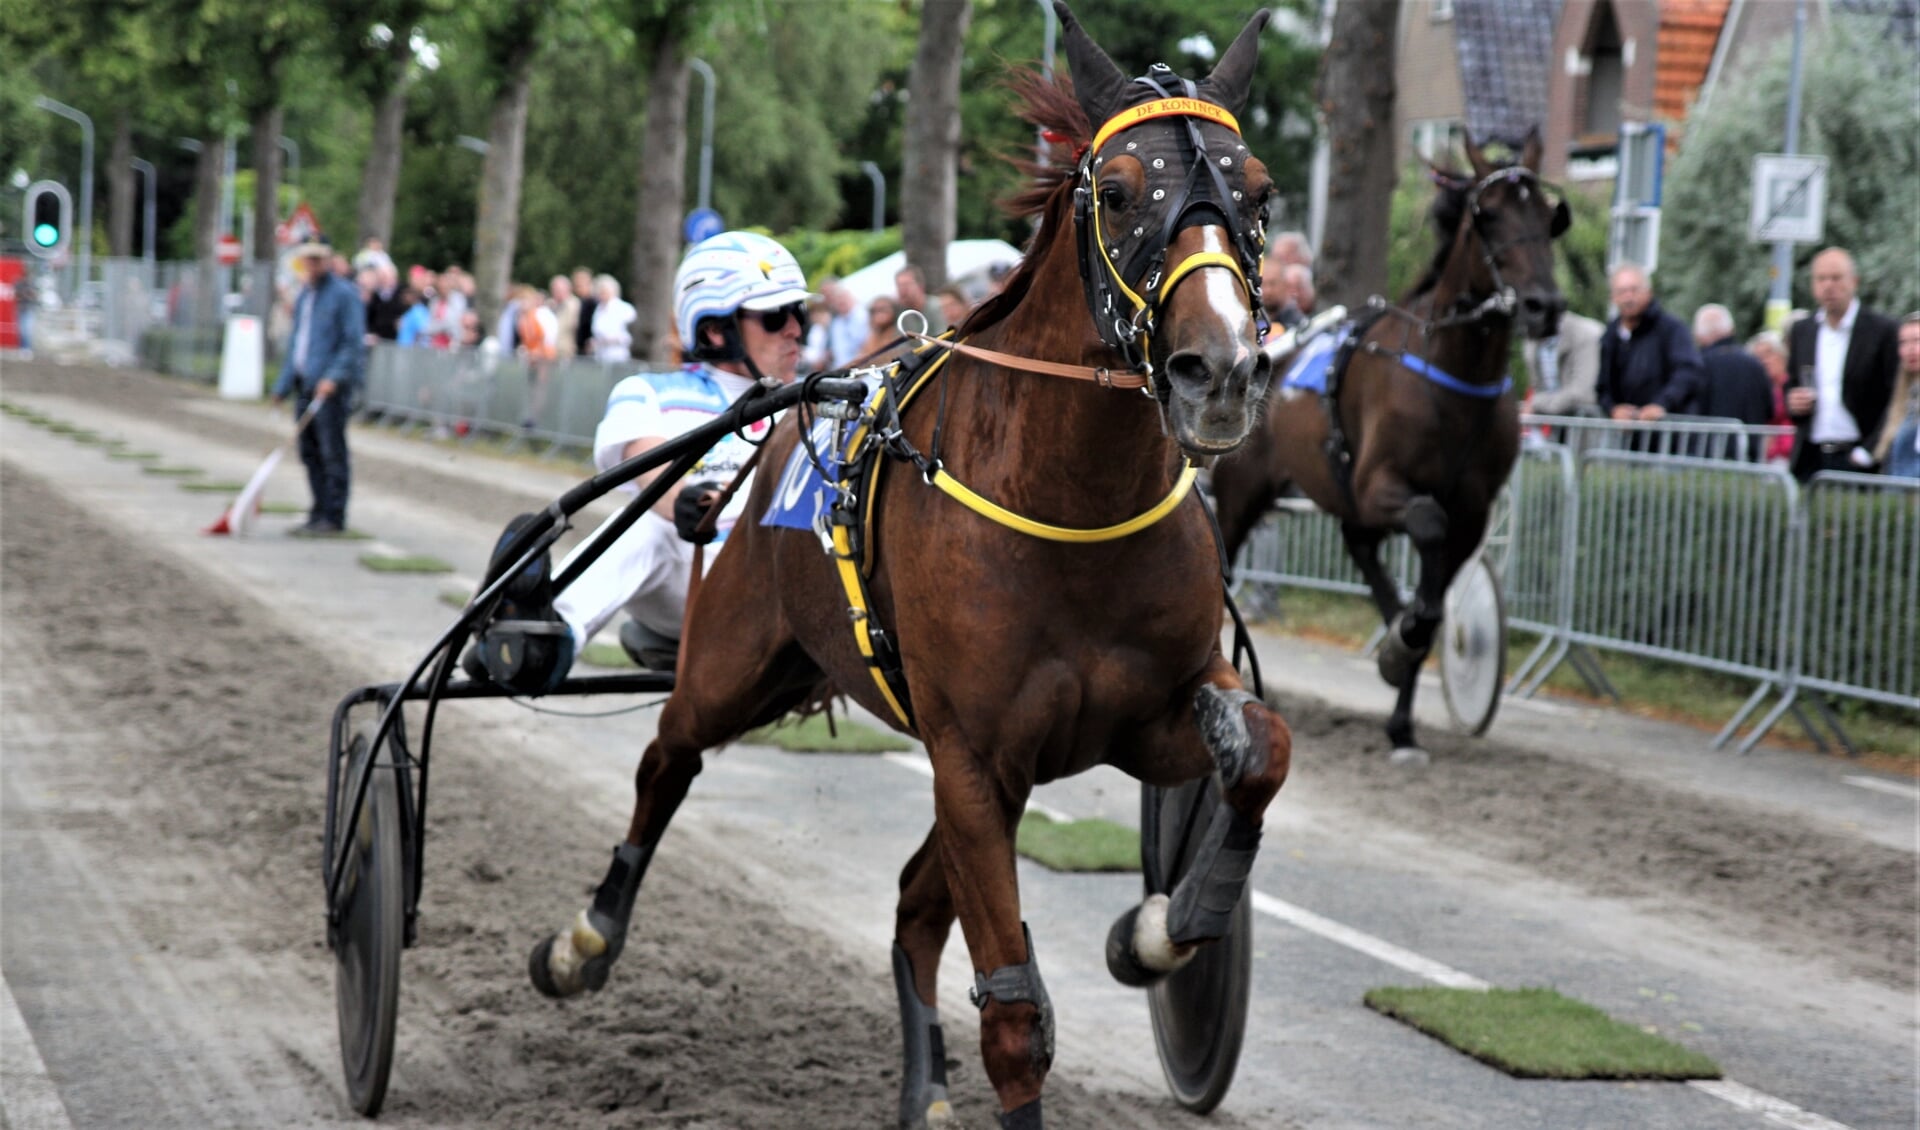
<point>1473,646</point>
<point>370,933</point>
<point>1200,1012</point>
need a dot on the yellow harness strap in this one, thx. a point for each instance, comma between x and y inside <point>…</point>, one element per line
<point>856,590</point>
<point>960,493</point>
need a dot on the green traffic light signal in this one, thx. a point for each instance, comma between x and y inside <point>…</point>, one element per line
<point>46,235</point>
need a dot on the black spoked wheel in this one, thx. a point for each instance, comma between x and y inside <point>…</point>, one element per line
<point>370,933</point>
<point>1199,1013</point>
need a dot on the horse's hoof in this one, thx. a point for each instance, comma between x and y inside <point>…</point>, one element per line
<point>571,962</point>
<point>1139,952</point>
<point>1410,756</point>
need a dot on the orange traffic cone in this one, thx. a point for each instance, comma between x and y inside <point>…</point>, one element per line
<point>246,505</point>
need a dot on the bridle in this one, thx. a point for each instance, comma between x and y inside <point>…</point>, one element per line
<point>1504,299</point>
<point>1125,298</point>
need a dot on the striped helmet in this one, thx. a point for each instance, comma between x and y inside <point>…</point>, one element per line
<point>729,272</point>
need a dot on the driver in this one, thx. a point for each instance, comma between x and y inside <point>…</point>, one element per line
<point>740,308</point>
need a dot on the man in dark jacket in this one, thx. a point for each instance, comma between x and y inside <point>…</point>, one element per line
<point>1840,369</point>
<point>1735,384</point>
<point>326,355</point>
<point>1649,367</point>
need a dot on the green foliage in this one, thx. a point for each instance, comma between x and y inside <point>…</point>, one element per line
<point>1859,111</point>
<point>838,253</point>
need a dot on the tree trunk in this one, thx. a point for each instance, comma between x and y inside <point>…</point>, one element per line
<point>207,175</point>
<point>1356,100</point>
<point>380,184</point>
<point>497,225</point>
<point>122,201</point>
<point>662,197</point>
<point>932,148</point>
<point>266,181</point>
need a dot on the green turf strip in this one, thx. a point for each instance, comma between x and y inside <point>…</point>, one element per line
<point>282,508</point>
<point>85,438</point>
<point>134,456</point>
<point>211,487</point>
<point>455,598</point>
<point>1078,845</point>
<point>810,735</point>
<point>602,654</point>
<point>174,472</point>
<point>404,563</point>
<point>1539,1034</point>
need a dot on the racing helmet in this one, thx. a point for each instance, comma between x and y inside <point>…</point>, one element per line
<point>727,273</point>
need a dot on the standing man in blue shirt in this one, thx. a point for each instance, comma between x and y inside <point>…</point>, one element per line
<point>325,358</point>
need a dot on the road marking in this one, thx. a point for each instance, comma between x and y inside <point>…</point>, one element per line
<point>28,1098</point>
<point>1770,1108</point>
<point>1894,788</point>
<point>1377,948</point>
<point>1738,1094</point>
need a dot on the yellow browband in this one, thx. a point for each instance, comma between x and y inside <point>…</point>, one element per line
<point>1162,108</point>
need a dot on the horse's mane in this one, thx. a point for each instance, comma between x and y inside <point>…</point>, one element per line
<point>1449,204</point>
<point>1047,102</point>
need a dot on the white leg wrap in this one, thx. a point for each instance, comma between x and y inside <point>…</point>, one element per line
<point>1151,944</point>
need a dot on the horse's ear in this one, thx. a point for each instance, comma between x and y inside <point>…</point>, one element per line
<point>1475,157</point>
<point>1097,82</point>
<point>1227,85</point>
<point>1530,149</point>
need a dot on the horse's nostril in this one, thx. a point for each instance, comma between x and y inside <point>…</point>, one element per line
<point>1189,370</point>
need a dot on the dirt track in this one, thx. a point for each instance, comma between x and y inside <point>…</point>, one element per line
<point>736,1016</point>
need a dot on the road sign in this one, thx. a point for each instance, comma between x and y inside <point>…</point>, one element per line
<point>227,251</point>
<point>1789,199</point>
<point>300,227</point>
<point>702,223</point>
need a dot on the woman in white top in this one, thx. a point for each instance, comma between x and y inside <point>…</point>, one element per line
<point>612,337</point>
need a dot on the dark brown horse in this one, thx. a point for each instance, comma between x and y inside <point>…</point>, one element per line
<point>1428,426</point>
<point>1026,659</point>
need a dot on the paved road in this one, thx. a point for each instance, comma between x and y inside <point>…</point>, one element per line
<point>820,840</point>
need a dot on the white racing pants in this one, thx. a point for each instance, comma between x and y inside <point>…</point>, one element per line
<point>646,571</point>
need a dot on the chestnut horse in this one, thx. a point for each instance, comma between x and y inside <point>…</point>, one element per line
<point>1428,425</point>
<point>1026,658</point>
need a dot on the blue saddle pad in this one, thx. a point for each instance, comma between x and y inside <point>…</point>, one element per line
<point>1309,368</point>
<point>803,496</point>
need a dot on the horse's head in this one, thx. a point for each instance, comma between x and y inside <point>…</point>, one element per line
<point>1169,215</point>
<point>1515,217</point>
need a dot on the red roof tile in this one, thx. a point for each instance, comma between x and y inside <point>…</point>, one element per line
<point>1689,32</point>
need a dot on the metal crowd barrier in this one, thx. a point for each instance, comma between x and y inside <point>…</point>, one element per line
<point>1708,561</point>
<point>472,393</point>
<point>1702,437</point>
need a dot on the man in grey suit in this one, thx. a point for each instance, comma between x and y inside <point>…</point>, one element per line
<point>1563,371</point>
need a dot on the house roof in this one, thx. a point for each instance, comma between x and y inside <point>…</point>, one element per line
<point>1506,50</point>
<point>1689,31</point>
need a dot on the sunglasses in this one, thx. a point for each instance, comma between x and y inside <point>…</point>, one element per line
<point>773,321</point>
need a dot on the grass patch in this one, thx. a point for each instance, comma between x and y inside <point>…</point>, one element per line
<point>1539,1034</point>
<point>135,456</point>
<point>179,472</point>
<point>1078,845</point>
<point>282,508</point>
<point>212,487</point>
<point>810,735</point>
<point>85,438</point>
<point>404,563</point>
<point>457,598</point>
<point>61,427</point>
<point>602,654</point>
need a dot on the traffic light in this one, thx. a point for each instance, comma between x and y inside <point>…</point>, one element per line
<point>47,222</point>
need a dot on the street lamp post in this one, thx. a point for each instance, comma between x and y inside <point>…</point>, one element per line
<point>1780,294</point>
<point>86,180</point>
<point>705,196</point>
<point>879,180</point>
<point>148,212</point>
<point>292,149</point>
<point>470,142</point>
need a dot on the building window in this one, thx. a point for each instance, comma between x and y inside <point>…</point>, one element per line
<point>1434,139</point>
<point>1606,76</point>
<point>1441,10</point>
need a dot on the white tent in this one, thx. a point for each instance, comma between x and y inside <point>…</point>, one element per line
<point>968,261</point>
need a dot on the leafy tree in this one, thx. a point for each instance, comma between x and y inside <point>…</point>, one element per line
<point>1860,112</point>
